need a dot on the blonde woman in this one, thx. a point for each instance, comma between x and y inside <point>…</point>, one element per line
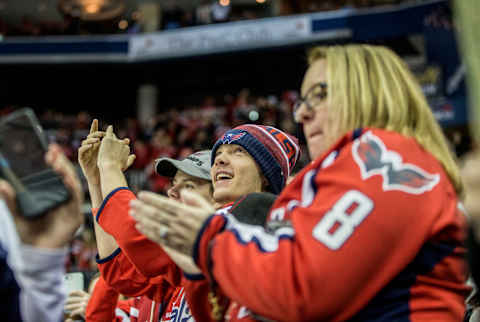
<point>370,230</point>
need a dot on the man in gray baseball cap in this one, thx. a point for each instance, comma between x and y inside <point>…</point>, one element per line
<point>192,173</point>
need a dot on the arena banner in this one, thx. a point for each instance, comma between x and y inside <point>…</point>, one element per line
<point>64,49</point>
<point>350,23</point>
<point>242,35</point>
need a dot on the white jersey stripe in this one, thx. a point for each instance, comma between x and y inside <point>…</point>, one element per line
<point>134,312</point>
<point>250,233</point>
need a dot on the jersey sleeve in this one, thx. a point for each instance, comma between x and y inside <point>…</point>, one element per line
<point>121,275</point>
<point>148,258</point>
<point>339,239</point>
<point>102,303</point>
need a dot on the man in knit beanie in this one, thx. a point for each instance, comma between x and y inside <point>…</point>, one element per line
<point>258,159</point>
<point>274,151</point>
<point>247,159</point>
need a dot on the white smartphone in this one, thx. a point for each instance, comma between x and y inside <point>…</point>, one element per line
<point>74,282</point>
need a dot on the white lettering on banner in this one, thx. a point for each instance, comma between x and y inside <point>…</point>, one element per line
<point>220,39</point>
<point>227,37</point>
<point>446,115</point>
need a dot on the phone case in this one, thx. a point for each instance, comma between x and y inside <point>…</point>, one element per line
<point>74,282</point>
<point>22,150</point>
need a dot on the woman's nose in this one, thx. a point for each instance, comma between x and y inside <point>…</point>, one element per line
<point>303,113</point>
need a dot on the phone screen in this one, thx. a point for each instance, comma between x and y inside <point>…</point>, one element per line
<point>22,145</point>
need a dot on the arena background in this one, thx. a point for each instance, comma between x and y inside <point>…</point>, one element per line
<point>172,75</point>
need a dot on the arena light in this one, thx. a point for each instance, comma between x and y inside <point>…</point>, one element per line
<point>260,1</point>
<point>123,24</point>
<point>92,10</point>
<point>224,2</point>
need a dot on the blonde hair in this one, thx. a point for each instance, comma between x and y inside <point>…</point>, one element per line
<point>370,86</point>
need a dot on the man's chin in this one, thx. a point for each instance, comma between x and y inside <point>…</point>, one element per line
<point>224,195</point>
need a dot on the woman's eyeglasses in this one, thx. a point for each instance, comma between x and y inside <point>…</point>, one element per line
<point>316,94</point>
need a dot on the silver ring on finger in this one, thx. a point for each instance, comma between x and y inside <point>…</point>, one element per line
<point>162,232</point>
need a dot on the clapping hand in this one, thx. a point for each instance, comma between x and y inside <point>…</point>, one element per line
<point>171,223</point>
<point>88,153</point>
<point>114,152</point>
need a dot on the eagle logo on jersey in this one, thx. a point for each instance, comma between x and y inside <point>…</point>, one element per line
<point>373,158</point>
<point>231,137</point>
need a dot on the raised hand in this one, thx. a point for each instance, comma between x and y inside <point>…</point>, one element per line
<point>169,222</point>
<point>114,152</point>
<point>88,152</point>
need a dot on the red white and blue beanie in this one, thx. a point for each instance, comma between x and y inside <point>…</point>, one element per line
<point>275,151</point>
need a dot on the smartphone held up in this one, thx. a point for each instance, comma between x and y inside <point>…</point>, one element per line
<point>23,146</point>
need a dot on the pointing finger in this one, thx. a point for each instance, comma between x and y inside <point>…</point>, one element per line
<point>130,160</point>
<point>94,126</point>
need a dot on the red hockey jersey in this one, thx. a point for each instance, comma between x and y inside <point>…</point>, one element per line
<point>140,267</point>
<point>104,306</point>
<point>370,231</point>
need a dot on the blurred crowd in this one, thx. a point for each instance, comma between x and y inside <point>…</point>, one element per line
<point>174,132</point>
<point>171,15</point>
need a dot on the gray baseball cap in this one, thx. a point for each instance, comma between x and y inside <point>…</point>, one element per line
<point>196,164</point>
